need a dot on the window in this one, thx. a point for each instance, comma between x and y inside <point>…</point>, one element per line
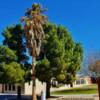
<point>82,81</point>
<point>13,87</point>
<point>78,82</point>
<point>5,87</point>
<point>9,87</point>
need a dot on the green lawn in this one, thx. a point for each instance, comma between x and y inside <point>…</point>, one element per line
<point>90,89</point>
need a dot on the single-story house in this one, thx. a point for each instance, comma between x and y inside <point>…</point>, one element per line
<point>83,80</point>
<point>80,81</point>
<point>25,88</point>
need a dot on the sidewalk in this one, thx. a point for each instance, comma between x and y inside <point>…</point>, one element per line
<point>54,98</point>
<point>75,97</point>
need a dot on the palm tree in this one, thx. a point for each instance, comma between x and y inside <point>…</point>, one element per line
<point>33,26</point>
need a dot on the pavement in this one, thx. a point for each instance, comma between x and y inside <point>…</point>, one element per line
<point>75,97</point>
<point>83,96</point>
<point>54,97</point>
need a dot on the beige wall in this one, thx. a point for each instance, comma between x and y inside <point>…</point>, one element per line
<point>86,79</point>
<point>12,91</point>
<point>39,87</point>
<point>26,88</point>
<point>0,88</point>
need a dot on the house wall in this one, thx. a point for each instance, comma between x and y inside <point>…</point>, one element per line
<point>25,88</point>
<point>11,89</point>
<point>28,88</point>
<point>39,87</point>
<point>0,88</point>
<point>83,81</point>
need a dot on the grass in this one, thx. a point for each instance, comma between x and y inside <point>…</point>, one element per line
<point>90,89</point>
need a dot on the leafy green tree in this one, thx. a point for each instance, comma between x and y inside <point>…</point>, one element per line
<point>15,39</point>
<point>60,56</point>
<point>75,64</point>
<point>6,55</point>
<point>10,71</point>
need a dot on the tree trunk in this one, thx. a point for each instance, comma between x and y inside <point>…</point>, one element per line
<point>71,84</point>
<point>33,80</point>
<point>48,85</point>
<point>98,82</point>
<point>19,93</point>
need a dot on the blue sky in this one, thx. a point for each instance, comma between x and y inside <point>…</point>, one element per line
<point>80,17</point>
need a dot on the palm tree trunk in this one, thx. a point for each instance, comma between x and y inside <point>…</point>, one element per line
<point>48,85</point>
<point>33,79</point>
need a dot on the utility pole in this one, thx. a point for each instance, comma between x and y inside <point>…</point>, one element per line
<point>33,27</point>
